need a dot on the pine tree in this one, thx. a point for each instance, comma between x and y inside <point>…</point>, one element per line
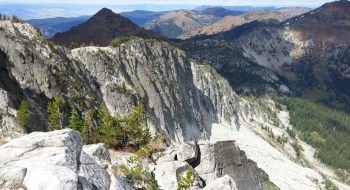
<point>87,131</point>
<point>55,114</point>
<point>23,115</point>
<point>75,122</point>
<point>108,127</point>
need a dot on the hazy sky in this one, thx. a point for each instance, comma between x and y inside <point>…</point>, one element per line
<point>193,2</point>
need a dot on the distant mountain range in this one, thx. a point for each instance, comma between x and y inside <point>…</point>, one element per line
<point>221,12</point>
<point>309,53</point>
<point>50,26</point>
<point>235,8</point>
<point>181,21</point>
<point>230,22</point>
<point>140,17</point>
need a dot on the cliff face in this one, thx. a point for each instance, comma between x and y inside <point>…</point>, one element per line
<point>183,99</point>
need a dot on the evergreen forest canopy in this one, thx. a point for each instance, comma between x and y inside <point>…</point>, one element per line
<point>325,129</point>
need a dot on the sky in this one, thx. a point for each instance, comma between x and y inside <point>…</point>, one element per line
<point>313,3</point>
<point>36,9</point>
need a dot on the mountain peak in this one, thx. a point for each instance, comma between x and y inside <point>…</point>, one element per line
<point>101,28</point>
<point>105,11</point>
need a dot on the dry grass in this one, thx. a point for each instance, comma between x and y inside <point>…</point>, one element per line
<point>118,171</point>
<point>3,141</point>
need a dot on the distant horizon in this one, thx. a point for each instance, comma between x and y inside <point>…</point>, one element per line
<point>254,3</point>
<point>50,9</point>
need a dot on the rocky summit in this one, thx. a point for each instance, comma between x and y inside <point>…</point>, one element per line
<point>58,158</point>
<point>101,28</point>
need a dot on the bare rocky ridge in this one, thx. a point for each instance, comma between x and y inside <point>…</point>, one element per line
<point>178,22</point>
<point>230,22</point>
<point>310,50</point>
<point>220,12</point>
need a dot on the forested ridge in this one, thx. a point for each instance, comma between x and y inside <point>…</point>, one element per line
<point>325,129</point>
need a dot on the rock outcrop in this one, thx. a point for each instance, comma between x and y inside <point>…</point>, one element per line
<point>56,157</point>
<point>187,152</point>
<point>218,164</point>
<point>169,174</point>
<point>225,158</point>
<point>222,183</point>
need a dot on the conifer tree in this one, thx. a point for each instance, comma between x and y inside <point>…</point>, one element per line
<point>75,122</point>
<point>55,114</point>
<point>23,115</point>
<point>87,130</point>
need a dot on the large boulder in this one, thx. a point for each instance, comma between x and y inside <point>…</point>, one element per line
<point>169,174</point>
<point>93,172</point>
<point>217,159</point>
<point>52,160</point>
<point>119,184</point>
<point>99,152</point>
<point>187,152</point>
<point>222,183</point>
<point>11,176</point>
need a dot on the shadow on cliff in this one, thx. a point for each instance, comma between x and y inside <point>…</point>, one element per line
<point>194,112</point>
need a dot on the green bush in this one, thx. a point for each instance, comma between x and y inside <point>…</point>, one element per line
<point>73,45</point>
<point>186,181</point>
<point>136,175</point>
<point>116,42</point>
<point>298,149</point>
<point>121,131</point>
<point>16,19</point>
<point>330,185</point>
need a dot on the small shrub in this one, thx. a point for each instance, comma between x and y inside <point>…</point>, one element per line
<point>136,175</point>
<point>186,181</point>
<point>73,45</point>
<point>156,145</point>
<point>297,147</point>
<point>330,185</point>
<point>291,133</point>
<point>120,40</point>
<point>16,19</point>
